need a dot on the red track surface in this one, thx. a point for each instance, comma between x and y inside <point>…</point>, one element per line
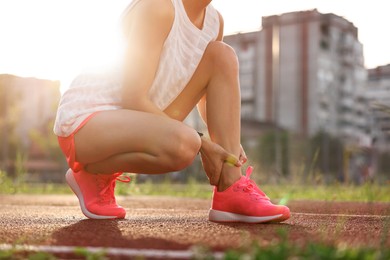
<point>179,223</point>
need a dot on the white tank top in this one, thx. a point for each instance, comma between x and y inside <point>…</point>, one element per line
<point>182,51</point>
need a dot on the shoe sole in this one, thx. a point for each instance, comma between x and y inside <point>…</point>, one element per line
<point>281,219</point>
<point>222,216</point>
<point>76,189</point>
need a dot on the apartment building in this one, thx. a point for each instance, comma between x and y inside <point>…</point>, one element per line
<point>377,97</point>
<point>300,72</point>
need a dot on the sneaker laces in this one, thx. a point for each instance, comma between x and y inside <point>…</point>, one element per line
<point>107,186</point>
<point>250,186</point>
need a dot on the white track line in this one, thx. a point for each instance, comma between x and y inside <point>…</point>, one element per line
<point>341,215</point>
<point>109,251</point>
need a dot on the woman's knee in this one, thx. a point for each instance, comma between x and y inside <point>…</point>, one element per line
<point>222,55</point>
<point>184,146</point>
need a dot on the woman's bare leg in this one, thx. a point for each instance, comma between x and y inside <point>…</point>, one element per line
<point>216,80</point>
<point>133,141</point>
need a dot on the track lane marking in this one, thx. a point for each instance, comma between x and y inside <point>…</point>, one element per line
<point>341,215</point>
<point>149,253</point>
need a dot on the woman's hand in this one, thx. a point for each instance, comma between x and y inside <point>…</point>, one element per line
<point>214,156</point>
<point>243,159</point>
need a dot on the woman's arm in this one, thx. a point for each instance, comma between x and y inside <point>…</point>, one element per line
<point>147,27</point>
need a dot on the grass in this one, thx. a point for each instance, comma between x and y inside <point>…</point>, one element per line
<point>368,192</point>
<point>285,250</point>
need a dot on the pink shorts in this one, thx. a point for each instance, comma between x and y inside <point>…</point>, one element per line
<point>68,147</point>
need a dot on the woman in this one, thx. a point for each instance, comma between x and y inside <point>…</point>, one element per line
<point>132,121</point>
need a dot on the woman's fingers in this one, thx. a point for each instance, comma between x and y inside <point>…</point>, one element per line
<point>243,158</point>
<point>233,160</point>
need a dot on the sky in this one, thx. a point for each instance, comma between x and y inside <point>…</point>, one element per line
<point>54,39</point>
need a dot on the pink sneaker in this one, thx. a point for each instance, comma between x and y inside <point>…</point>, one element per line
<point>96,194</point>
<point>245,202</point>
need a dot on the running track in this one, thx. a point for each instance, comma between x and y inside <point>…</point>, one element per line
<point>165,227</point>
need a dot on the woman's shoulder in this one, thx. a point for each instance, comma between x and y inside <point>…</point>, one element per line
<point>146,9</point>
<point>156,6</point>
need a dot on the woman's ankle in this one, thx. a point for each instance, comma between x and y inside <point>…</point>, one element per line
<point>230,174</point>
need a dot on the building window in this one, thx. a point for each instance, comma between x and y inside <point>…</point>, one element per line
<point>324,29</point>
<point>324,44</point>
